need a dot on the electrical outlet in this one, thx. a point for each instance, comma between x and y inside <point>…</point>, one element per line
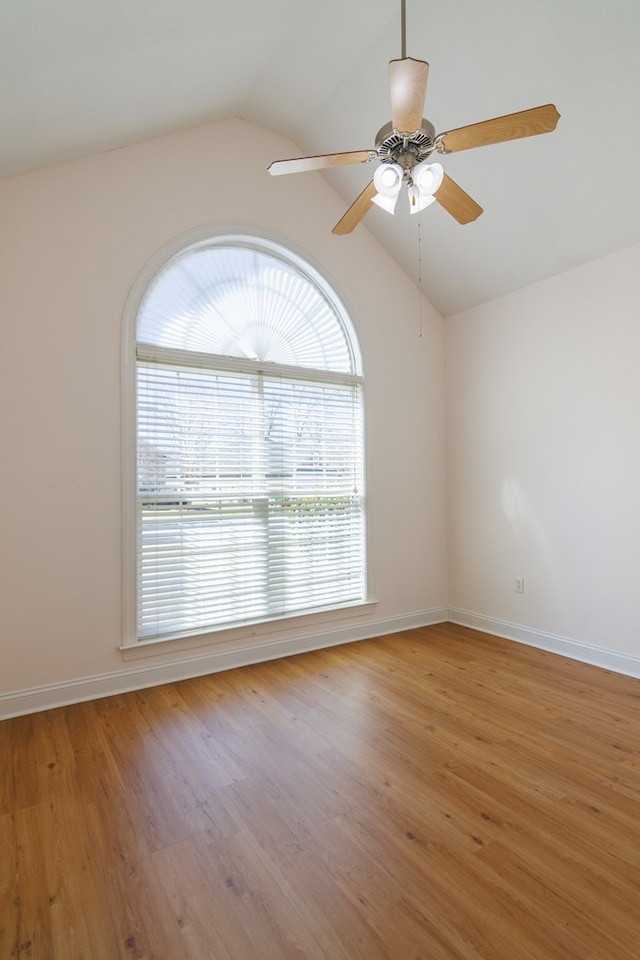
<point>519,585</point>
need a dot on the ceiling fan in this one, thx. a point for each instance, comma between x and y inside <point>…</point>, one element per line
<point>403,148</point>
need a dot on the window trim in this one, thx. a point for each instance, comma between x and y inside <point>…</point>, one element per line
<point>222,234</point>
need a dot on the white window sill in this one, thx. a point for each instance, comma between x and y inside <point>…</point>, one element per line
<point>285,627</point>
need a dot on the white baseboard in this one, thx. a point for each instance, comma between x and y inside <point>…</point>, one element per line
<point>585,652</point>
<point>54,695</point>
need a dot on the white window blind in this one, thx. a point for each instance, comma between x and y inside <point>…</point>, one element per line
<point>250,499</point>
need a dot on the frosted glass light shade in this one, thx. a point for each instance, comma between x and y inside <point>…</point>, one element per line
<point>428,177</point>
<point>388,179</point>
<point>387,203</point>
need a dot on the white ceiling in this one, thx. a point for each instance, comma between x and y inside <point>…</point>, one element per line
<point>82,76</point>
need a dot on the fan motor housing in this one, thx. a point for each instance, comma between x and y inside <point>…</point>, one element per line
<point>407,149</point>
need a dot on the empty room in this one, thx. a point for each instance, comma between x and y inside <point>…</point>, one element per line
<point>320,539</point>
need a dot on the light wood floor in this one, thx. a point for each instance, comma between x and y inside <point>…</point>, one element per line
<point>433,795</point>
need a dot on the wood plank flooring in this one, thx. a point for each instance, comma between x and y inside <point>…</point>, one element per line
<point>433,795</point>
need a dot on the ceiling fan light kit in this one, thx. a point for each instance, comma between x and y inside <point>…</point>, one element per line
<point>404,145</point>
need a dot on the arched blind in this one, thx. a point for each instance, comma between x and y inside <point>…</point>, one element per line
<point>237,301</point>
<point>250,500</point>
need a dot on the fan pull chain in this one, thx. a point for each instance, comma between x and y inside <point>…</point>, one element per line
<point>420,271</point>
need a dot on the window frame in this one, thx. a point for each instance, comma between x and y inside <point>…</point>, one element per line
<point>159,263</point>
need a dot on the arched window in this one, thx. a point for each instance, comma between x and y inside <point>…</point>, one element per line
<point>249,435</point>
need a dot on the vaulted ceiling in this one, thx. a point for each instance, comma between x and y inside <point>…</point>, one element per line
<point>82,76</point>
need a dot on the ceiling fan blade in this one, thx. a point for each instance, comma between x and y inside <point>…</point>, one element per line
<point>456,202</point>
<point>302,164</point>
<point>408,81</point>
<point>512,126</point>
<point>356,211</point>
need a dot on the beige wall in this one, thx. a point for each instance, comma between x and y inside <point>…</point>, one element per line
<point>542,401</point>
<point>73,239</point>
<point>543,428</point>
